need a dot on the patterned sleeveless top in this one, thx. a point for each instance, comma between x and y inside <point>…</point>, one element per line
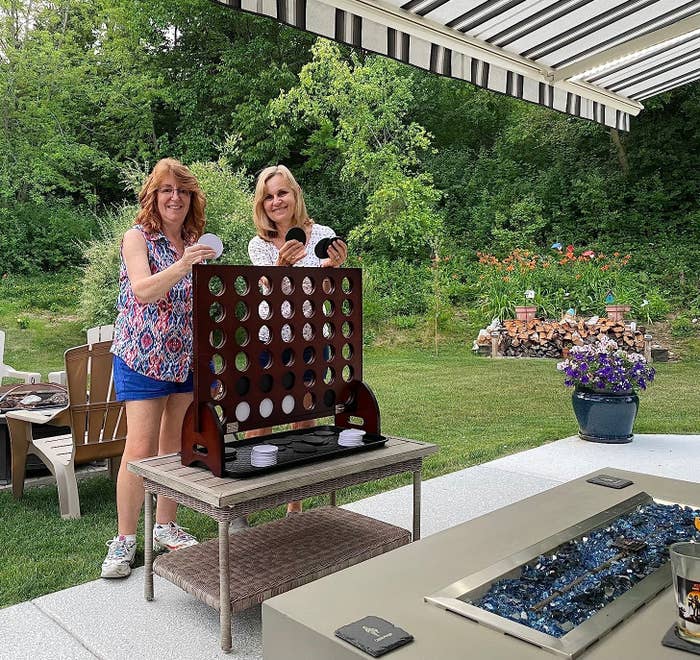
<point>155,339</point>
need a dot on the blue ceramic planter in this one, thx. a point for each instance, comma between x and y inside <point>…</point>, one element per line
<point>605,416</point>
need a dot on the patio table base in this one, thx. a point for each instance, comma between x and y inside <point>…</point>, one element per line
<point>271,559</point>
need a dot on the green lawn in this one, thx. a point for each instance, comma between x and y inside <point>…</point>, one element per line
<point>475,409</point>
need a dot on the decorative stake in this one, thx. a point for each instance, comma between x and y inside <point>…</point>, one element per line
<point>647,348</point>
<point>495,335</point>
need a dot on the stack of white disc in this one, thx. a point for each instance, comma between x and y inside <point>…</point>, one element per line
<point>351,437</point>
<point>263,455</point>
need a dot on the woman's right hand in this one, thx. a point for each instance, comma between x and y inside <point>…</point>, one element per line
<point>195,254</point>
<point>291,252</point>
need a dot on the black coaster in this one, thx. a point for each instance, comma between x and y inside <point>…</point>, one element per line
<point>374,635</point>
<point>609,481</point>
<point>672,640</point>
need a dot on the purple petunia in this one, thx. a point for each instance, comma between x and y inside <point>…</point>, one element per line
<point>605,366</point>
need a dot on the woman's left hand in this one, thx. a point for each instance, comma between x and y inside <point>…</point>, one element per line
<point>337,254</point>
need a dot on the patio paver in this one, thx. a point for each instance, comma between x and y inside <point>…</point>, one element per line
<point>78,622</point>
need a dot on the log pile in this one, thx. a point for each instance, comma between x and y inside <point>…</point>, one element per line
<point>541,338</point>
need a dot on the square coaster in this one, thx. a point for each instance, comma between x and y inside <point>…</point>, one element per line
<point>672,640</point>
<point>374,635</point>
<point>609,481</point>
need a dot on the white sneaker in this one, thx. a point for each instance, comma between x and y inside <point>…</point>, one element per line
<point>171,537</point>
<point>238,525</point>
<point>119,559</point>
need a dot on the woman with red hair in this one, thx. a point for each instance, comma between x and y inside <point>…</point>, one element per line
<point>153,345</point>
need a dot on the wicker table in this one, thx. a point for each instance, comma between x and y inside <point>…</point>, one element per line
<point>235,572</point>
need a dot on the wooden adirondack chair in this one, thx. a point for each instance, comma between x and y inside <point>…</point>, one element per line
<point>98,333</point>
<point>6,371</point>
<point>97,421</point>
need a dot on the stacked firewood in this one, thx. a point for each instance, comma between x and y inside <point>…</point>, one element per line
<point>540,338</point>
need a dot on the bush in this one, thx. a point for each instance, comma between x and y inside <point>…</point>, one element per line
<point>229,208</point>
<point>394,288</point>
<point>43,236</point>
<point>684,326</point>
<point>100,286</point>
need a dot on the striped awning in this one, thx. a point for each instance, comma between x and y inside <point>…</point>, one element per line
<point>596,59</point>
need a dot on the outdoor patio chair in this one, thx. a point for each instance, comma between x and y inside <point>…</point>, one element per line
<point>7,371</point>
<point>97,421</point>
<point>98,333</point>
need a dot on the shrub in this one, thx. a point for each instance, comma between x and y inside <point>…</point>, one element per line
<point>229,208</point>
<point>43,236</point>
<point>101,274</point>
<point>394,288</point>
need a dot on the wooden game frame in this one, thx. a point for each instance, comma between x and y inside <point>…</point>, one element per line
<point>274,345</point>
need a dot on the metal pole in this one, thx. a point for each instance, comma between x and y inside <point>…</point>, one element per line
<point>416,504</point>
<point>148,545</point>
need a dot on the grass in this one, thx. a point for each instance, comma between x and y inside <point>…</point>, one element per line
<point>49,307</point>
<point>475,409</point>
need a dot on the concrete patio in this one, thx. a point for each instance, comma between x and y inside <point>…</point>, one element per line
<point>111,620</point>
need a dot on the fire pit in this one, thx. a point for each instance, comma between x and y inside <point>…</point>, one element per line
<point>565,592</point>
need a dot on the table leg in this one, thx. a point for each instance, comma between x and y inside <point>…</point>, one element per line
<point>416,504</point>
<point>224,593</point>
<point>148,545</point>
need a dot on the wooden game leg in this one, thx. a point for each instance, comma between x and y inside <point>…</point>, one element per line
<point>416,504</point>
<point>224,588</point>
<point>148,545</point>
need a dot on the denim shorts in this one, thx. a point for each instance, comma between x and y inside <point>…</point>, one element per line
<point>132,386</point>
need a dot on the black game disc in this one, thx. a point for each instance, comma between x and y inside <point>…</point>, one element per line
<point>296,234</point>
<point>303,448</point>
<point>322,246</point>
<point>324,433</point>
<point>311,440</point>
<point>279,442</point>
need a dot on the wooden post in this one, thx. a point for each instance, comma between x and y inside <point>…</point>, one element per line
<point>494,343</point>
<point>647,347</point>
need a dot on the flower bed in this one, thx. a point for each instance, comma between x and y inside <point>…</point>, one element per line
<point>567,279</point>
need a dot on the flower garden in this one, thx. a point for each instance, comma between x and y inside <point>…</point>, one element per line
<point>566,280</point>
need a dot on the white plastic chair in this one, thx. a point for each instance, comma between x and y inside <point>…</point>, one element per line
<point>7,371</point>
<point>94,335</point>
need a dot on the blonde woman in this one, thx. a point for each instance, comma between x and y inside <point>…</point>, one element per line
<point>278,206</point>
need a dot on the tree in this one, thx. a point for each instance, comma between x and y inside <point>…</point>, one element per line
<point>358,111</point>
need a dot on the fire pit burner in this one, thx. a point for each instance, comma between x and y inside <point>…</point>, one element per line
<point>565,592</point>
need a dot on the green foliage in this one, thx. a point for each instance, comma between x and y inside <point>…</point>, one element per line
<point>392,288</point>
<point>43,236</point>
<point>229,208</point>
<point>401,219</point>
<point>101,275</point>
<point>360,110</point>
<point>684,326</point>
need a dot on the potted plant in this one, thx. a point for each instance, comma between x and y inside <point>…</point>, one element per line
<point>614,311</point>
<point>605,378</point>
<point>526,312</point>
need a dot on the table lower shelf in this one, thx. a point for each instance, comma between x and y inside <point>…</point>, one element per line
<point>273,558</point>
